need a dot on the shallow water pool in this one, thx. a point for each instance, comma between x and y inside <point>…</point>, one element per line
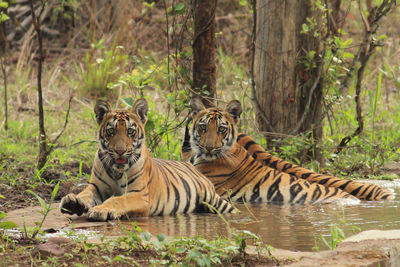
<point>294,227</point>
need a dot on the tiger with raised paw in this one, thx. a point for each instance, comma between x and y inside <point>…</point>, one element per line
<point>125,181</point>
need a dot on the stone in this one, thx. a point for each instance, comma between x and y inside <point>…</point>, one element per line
<point>48,249</point>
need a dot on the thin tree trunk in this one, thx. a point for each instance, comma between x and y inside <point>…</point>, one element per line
<point>3,69</point>
<point>3,49</point>
<point>204,68</point>
<point>43,147</point>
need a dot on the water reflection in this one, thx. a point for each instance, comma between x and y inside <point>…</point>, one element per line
<point>294,227</point>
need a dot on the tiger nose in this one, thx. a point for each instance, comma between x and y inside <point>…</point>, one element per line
<point>209,148</point>
<point>120,152</point>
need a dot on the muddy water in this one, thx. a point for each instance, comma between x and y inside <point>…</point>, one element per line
<point>293,227</point>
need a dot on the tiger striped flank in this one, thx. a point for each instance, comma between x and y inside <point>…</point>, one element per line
<point>362,191</point>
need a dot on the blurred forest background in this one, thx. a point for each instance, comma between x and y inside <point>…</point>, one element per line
<point>339,92</point>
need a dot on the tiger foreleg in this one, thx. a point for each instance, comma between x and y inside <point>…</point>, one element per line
<point>81,203</point>
<point>119,207</point>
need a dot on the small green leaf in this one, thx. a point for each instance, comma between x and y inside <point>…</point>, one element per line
<point>243,2</point>
<point>54,193</point>
<point>150,125</point>
<point>180,250</point>
<point>161,237</point>
<point>8,225</point>
<point>347,55</point>
<point>146,236</point>
<point>128,101</point>
<point>180,8</point>
<point>107,258</point>
<point>305,28</point>
<point>347,43</point>
<point>41,201</point>
<point>3,17</point>
<point>149,5</point>
<point>250,234</point>
<point>2,215</point>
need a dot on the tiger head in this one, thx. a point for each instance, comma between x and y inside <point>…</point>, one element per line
<point>121,133</point>
<point>214,129</point>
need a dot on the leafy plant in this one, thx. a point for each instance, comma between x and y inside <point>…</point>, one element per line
<point>6,224</point>
<point>3,15</point>
<point>337,236</point>
<point>101,71</point>
<point>46,207</point>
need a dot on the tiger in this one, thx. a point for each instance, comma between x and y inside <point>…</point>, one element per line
<point>126,181</point>
<point>211,146</point>
<point>363,191</point>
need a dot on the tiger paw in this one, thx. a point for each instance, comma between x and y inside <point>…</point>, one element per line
<point>72,204</point>
<point>100,213</point>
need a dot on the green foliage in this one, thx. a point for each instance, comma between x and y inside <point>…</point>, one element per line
<point>337,236</point>
<point>178,9</point>
<point>3,15</point>
<point>163,129</point>
<point>101,70</point>
<point>46,207</point>
<point>162,137</point>
<point>6,224</point>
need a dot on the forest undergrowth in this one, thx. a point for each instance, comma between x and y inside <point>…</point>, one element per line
<point>138,60</point>
<point>122,67</point>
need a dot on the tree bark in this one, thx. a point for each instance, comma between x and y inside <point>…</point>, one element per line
<point>204,68</point>
<point>286,90</point>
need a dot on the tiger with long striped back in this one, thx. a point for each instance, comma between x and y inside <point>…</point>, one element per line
<point>362,191</point>
<point>210,145</point>
<point>125,181</point>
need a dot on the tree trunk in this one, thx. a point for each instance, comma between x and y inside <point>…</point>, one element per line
<point>43,147</point>
<point>204,69</point>
<point>283,82</point>
<point>3,49</point>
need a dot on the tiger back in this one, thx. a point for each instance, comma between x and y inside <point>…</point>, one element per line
<point>125,181</point>
<point>210,145</point>
<point>362,191</point>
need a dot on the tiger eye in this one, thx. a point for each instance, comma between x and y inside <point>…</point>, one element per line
<point>110,131</point>
<point>202,127</point>
<point>131,131</point>
<point>222,129</point>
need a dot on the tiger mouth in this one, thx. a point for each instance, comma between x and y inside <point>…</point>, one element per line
<point>121,161</point>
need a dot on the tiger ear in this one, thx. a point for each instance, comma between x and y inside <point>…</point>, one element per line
<point>197,105</point>
<point>234,108</point>
<point>100,109</point>
<point>140,108</point>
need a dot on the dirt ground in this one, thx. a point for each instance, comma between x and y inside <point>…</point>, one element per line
<point>16,196</point>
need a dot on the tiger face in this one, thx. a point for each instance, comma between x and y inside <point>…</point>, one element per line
<point>214,129</point>
<point>121,134</point>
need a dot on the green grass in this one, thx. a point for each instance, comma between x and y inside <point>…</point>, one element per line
<point>140,248</point>
<point>363,157</point>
